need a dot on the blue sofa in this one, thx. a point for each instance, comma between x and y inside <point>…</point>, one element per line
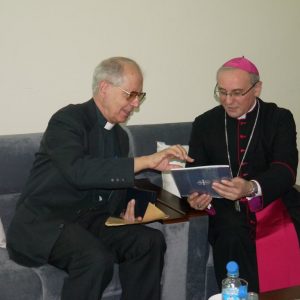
<point>188,272</point>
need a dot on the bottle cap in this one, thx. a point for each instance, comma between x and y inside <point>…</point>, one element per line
<point>232,268</point>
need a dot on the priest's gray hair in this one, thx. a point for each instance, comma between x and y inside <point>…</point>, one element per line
<point>112,70</point>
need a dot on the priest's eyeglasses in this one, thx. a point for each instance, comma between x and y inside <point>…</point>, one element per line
<point>133,95</point>
<point>236,94</point>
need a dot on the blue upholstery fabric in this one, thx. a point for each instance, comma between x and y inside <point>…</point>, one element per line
<point>17,282</point>
<point>16,157</point>
<point>143,140</point>
<point>7,208</point>
<point>175,271</point>
<point>201,282</point>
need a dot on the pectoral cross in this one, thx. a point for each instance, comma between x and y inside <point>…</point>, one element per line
<point>237,205</point>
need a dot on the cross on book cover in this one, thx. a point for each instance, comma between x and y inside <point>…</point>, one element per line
<point>200,179</point>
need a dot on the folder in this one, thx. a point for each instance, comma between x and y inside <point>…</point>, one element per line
<point>144,207</point>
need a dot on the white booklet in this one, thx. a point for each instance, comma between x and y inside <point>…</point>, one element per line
<point>200,179</point>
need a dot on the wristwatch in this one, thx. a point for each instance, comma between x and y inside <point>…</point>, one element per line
<point>254,189</point>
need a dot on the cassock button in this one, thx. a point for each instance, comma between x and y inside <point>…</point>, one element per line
<point>61,226</point>
<point>100,198</point>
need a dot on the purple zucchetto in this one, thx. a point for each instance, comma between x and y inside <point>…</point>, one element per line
<point>243,64</point>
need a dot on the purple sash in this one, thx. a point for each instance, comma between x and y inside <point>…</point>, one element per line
<point>277,247</point>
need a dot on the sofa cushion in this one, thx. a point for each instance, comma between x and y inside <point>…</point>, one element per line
<point>7,208</point>
<point>143,140</point>
<point>2,236</point>
<point>52,280</point>
<point>18,282</point>
<point>201,281</point>
<point>16,157</point>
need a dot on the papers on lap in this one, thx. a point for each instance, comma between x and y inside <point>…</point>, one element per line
<point>144,207</point>
<point>152,214</point>
<point>200,179</point>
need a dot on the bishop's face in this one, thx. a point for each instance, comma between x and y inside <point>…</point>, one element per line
<point>237,94</point>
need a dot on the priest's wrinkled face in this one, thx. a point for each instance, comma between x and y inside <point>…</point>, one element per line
<point>118,101</point>
<point>236,92</point>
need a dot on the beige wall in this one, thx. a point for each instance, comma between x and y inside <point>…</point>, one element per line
<point>48,50</point>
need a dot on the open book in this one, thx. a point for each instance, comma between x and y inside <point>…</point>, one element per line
<point>200,179</point>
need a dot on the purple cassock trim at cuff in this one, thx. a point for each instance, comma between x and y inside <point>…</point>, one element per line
<point>210,211</point>
<point>255,204</point>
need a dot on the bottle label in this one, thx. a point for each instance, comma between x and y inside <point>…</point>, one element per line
<point>230,294</point>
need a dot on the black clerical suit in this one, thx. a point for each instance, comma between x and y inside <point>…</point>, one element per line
<point>79,178</point>
<point>271,160</point>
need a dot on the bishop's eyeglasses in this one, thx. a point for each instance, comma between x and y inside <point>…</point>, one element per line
<point>236,94</point>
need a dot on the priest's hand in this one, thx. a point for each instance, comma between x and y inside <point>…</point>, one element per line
<point>161,161</point>
<point>128,215</point>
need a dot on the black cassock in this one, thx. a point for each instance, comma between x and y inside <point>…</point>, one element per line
<point>272,160</point>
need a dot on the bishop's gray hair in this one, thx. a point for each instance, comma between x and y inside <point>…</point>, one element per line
<point>254,78</point>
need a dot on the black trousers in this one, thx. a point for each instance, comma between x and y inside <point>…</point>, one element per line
<point>232,236</point>
<point>87,251</point>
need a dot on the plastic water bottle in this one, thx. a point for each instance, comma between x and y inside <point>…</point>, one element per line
<point>233,287</point>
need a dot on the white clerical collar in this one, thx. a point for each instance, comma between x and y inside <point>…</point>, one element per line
<point>244,115</point>
<point>109,126</point>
